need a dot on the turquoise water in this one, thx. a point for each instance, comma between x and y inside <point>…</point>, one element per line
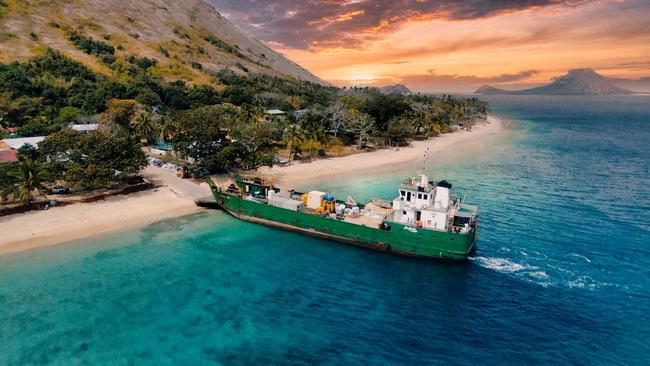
<point>561,275</point>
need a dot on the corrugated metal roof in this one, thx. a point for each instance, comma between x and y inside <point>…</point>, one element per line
<point>17,143</point>
<point>8,156</point>
<point>84,127</point>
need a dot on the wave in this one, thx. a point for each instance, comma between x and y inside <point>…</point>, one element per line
<point>580,256</point>
<point>501,264</point>
<point>548,275</point>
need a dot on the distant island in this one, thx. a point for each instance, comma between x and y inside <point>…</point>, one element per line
<point>575,82</point>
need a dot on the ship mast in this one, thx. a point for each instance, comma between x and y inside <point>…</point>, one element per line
<point>426,161</point>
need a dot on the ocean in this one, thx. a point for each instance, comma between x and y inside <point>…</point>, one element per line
<point>561,274</point>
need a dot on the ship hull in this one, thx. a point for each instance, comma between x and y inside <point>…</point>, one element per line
<point>398,240</point>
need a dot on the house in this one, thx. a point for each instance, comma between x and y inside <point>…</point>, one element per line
<point>273,112</point>
<point>9,147</point>
<point>7,154</point>
<point>17,143</point>
<point>84,127</point>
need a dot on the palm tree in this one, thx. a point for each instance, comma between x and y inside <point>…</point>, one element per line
<point>249,114</point>
<point>166,128</point>
<point>31,179</point>
<point>3,121</point>
<point>293,136</point>
<point>143,125</point>
<point>8,181</point>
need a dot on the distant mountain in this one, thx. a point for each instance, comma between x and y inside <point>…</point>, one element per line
<point>489,90</point>
<point>395,89</point>
<point>575,82</point>
<point>189,38</point>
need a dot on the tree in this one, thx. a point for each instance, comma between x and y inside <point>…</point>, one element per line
<point>418,118</point>
<point>399,130</point>
<point>200,134</point>
<point>384,107</point>
<point>68,114</point>
<point>120,112</point>
<point>294,101</point>
<point>143,125</point>
<point>30,179</point>
<point>166,128</point>
<point>340,115</point>
<point>360,125</point>
<point>91,161</point>
<point>8,180</point>
<point>4,123</point>
<point>253,133</point>
<point>249,114</point>
<point>293,137</point>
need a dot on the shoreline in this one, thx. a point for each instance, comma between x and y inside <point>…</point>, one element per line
<point>36,229</point>
<point>381,161</point>
<point>175,197</point>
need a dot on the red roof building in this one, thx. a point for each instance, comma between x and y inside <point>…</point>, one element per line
<point>8,156</point>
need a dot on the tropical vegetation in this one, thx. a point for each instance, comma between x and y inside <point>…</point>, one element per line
<point>221,126</point>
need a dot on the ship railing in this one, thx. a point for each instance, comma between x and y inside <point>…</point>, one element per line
<point>260,181</point>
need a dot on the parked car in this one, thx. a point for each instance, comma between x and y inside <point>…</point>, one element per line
<point>158,162</point>
<point>60,190</point>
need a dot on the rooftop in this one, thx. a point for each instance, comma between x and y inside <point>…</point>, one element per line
<point>84,127</point>
<point>8,156</point>
<point>17,143</point>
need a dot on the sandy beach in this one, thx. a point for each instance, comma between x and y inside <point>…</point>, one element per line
<point>299,175</point>
<point>175,197</point>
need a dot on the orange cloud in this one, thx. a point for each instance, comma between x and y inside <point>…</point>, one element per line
<point>349,15</point>
<point>466,43</point>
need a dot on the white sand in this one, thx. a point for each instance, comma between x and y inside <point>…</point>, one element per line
<point>176,196</point>
<point>41,228</point>
<point>301,174</point>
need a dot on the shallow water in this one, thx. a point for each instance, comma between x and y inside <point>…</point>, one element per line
<point>560,276</point>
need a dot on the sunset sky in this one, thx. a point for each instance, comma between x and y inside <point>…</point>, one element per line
<point>450,45</point>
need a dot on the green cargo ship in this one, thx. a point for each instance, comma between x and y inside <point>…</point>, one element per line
<point>425,220</point>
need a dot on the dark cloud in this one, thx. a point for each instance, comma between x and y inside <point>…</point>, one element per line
<point>333,23</point>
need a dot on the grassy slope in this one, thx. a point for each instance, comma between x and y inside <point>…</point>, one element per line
<point>148,28</point>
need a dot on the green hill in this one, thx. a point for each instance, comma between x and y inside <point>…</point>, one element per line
<point>189,39</point>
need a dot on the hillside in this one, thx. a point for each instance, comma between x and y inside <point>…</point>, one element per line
<point>395,89</point>
<point>189,38</point>
<point>575,82</point>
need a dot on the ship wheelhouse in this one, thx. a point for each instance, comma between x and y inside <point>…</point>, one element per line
<point>421,203</point>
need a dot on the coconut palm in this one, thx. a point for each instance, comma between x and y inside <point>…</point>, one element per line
<point>143,125</point>
<point>166,128</point>
<point>293,136</point>
<point>31,179</point>
<point>249,114</point>
<point>8,181</point>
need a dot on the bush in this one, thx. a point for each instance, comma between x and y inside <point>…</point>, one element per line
<point>104,51</point>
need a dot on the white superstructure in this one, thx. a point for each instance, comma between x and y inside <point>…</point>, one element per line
<point>422,204</point>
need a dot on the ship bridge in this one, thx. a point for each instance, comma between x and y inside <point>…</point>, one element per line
<point>424,204</point>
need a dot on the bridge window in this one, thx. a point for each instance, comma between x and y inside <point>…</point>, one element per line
<point>426,196</point>
<point>419,196</point>
<point>402,193</point>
